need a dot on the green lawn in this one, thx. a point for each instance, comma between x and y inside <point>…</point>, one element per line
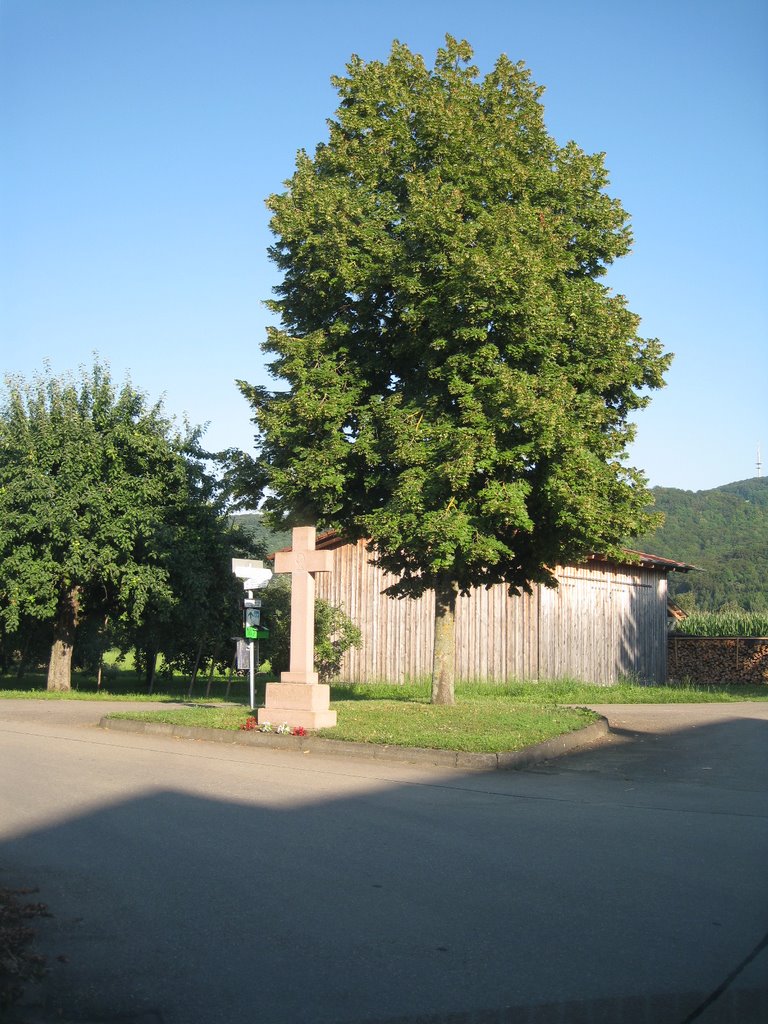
<point>487,726</point>
<point>481,726</point>
<point>567,691</point>
<point>122,682</point>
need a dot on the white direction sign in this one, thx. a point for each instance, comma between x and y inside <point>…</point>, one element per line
<point>251,572</point>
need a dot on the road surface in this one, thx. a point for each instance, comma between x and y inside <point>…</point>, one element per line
<point>192,883</point>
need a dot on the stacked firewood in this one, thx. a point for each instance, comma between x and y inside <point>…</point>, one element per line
<point>721,659</point>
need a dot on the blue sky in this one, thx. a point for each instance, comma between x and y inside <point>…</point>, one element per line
<point>141,137</point>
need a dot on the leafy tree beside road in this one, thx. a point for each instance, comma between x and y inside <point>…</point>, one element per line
<point>100,499</point>
<point>455,379</point>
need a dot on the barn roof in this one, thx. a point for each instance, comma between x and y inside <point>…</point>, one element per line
<point>652,561</point>
<point>331,539</point>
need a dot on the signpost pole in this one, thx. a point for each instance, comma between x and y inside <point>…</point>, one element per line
<point>250,669</point>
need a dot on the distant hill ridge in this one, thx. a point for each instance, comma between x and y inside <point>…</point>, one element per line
<point>723,531</point>
<point>259,539</point>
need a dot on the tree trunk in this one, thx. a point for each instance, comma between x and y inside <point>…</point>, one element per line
<point>231,673</point>
<point>23,660</point>
<point>444,661</point>
<point>151,657</point>
<point>60,665</point>
<point>193,677</point>
<point>100,669</point>
<point>214,656</point>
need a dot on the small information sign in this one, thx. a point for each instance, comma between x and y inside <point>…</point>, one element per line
<point>243,656</point>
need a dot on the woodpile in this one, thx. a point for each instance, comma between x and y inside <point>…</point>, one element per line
<point>717,659</point>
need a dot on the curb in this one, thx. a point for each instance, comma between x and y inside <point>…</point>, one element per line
<point>505,761</point>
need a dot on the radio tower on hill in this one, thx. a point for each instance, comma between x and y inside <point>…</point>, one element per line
<point>759,463</point>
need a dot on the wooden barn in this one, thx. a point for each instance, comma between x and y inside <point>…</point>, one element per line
<point>604,621</point>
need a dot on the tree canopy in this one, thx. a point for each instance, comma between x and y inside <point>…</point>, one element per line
<point>104,507</point>
<point>455,381</point>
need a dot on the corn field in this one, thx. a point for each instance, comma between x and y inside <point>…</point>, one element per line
<point>724,624</point>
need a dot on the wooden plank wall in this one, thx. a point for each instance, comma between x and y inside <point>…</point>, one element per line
<point>497,635</point>
<point>602,623</point>
<point>398,634</point>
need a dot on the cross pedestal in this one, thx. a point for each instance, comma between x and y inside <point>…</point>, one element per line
<point>299,699</point>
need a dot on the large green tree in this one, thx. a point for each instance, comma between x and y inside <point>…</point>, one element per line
<point>95,492</point>
<point>455,379</point>
<point>202,612</point>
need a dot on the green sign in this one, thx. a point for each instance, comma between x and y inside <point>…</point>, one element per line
<point>256,633</point>
<point>252,624</point>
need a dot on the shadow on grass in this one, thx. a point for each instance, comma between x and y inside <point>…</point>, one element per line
<point>126,684</point>
<point>410,693</point>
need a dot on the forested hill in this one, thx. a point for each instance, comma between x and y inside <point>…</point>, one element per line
<point>259,540</point>
<point>724,532</point>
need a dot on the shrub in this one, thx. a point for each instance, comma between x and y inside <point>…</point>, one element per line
<point>335,632</point>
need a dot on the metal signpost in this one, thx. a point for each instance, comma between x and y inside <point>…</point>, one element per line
<point>254,577</point>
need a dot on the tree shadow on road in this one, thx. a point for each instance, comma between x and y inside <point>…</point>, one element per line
<point>458,897</point>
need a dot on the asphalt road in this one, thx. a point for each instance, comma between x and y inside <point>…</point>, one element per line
<point>192,883</point>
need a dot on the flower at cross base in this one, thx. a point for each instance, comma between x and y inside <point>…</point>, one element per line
<point>283,729</point>
<point>266,727</point>
<point>299,730</point>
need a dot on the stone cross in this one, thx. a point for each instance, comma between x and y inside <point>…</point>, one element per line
<point>299,699</point>
<point>301,562</point>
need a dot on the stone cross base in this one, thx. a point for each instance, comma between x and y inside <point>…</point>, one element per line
<point>306,704</point>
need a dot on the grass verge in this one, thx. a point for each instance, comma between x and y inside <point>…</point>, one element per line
<point>569,691</point>
<point>479,726</point>
<point>485,719</point>
<point>126,685</point>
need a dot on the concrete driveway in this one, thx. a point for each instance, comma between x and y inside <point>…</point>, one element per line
<point>191,882</point>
